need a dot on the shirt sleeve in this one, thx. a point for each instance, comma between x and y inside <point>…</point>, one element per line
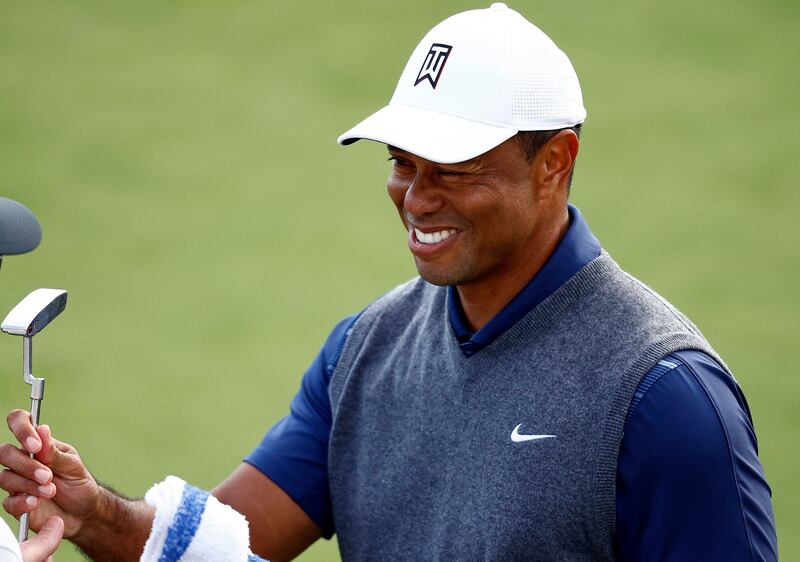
<point>689,482</point>
<point>294,452</point>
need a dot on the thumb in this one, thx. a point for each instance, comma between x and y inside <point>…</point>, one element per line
<point>50,454</point>
<point>40,547</point>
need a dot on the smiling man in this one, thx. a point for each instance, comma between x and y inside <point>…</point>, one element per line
<point>522,399</point>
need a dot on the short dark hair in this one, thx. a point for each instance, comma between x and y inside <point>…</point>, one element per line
<point>531,141</point>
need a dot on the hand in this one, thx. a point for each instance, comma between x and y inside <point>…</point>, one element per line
<point>54,482</point>
<point>41,547</point>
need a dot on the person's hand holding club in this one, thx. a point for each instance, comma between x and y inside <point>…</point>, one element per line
<point>53,482</point>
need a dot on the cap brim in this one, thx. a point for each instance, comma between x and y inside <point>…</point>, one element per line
<point>19,229</point>
<point>431,135</point>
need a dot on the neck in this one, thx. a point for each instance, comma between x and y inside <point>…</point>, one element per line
<point>483,299</point>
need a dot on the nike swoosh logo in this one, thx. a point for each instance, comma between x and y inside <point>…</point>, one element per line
<point>517,438</point>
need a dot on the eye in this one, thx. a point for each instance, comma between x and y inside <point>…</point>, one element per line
<point>399,162</point>
<point>451,173</point>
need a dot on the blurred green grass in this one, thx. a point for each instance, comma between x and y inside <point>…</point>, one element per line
<point>181,159</point>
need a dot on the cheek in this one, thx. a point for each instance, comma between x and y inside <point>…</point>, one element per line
<point>501,224</point>
<point>397,193</point>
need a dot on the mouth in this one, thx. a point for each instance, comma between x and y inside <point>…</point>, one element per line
<point>432,242</point>
<point>433,237</point>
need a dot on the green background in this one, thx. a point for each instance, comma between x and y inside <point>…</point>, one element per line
<point>181,157</point>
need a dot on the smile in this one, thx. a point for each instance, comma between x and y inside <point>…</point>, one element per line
<point>433,237</point>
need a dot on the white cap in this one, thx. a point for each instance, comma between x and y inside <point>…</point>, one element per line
<point>473,82</point>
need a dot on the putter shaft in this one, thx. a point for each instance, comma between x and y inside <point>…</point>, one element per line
<point>37,394</point>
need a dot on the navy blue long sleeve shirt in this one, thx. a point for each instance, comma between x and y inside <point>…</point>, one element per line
<point>689,483</point>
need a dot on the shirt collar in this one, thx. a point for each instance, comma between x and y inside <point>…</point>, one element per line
<point>576,249</point>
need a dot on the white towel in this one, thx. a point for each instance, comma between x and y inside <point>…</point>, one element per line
<point>191,525</point>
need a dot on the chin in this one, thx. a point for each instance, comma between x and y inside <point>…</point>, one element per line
<point>442,282</point>
<point>440,276</point>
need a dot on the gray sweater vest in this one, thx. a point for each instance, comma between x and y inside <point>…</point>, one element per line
<point>422,463</point>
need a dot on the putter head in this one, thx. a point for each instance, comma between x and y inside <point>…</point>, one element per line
<point>34,312</point>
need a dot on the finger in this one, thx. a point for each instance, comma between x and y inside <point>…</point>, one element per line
<point>64,447</point>
<point>18,461</point>
<point>14,484</point>
<point>20,424</point>
<point>60,456</point>
<point>17,505</point>
<point>45,543</point>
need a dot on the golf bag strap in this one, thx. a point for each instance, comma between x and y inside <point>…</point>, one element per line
<point>191,525</point>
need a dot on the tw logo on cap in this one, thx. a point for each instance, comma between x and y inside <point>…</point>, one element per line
<point>433,64</point>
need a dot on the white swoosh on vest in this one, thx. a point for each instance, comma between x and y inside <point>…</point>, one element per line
<point>517,438</point>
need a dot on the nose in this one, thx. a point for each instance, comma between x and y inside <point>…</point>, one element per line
<point>423,196</point>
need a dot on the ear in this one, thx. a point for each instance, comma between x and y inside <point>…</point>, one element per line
<point>554,162</point>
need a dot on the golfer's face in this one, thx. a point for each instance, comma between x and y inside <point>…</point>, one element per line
<point>471,222</point>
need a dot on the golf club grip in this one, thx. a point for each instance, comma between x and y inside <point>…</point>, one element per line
<point>22,534</point>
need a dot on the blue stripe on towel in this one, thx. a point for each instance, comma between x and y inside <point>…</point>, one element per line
<point>254,558</point>
<point>184,524</point>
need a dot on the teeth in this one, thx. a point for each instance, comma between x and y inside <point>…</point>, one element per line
<point>433,237</point>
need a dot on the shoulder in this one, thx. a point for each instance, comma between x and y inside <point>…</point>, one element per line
<point>413,290</point>
<point>397,309</point>
<point>332,349</point>
<point>613,302</point>
<point>644,301</point>
<point>690,380</point>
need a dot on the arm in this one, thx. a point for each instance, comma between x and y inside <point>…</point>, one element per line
<point>108,526</point>
<point>279,528</point>
<point>689,483</point>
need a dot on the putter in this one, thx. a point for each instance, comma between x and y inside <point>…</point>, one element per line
<point>28,318</point>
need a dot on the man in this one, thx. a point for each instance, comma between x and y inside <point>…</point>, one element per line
<point>524,399</point>
<point>20,233</point>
